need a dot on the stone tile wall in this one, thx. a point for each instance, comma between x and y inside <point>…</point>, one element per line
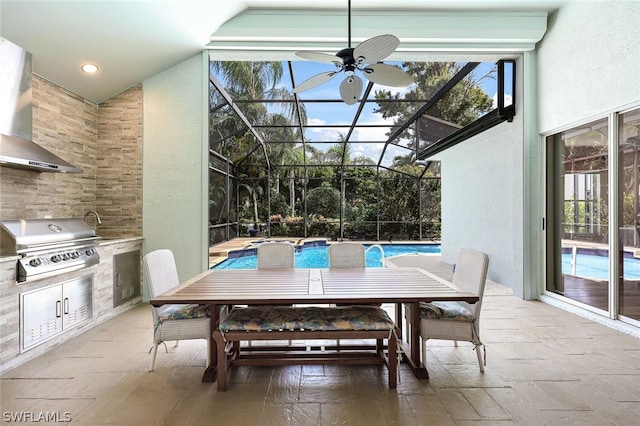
<point>67,125</point>
<point>119,161</point>
<point>105,141</point>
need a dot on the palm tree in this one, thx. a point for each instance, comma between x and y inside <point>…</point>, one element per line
<point>254,191</point>
<point>260,81</point>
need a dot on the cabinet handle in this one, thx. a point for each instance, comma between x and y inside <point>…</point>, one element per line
<point>117,280</point>
<point>58,306</point>
<point>66,306</point>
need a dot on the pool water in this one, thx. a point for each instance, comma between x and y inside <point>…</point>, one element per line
<point>317,257</point>
<point>597,267</point>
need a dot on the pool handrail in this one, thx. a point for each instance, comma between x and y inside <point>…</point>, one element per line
<point>381,253</point>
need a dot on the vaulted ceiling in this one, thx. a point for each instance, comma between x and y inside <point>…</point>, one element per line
<point>133,40</point>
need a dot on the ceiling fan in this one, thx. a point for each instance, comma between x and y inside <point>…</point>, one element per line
<point>365,57</point>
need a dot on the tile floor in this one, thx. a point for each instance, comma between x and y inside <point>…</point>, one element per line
<point>545,366</point>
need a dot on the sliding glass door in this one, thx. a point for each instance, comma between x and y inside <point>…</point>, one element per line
<point>578,193</point>
<point>629,213</point>
<point>581,253</point>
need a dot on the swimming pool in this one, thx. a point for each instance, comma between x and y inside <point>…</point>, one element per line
<point>317,256</point>
<point>597,267</point>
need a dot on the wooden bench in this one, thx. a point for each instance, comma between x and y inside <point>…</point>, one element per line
<point>306,323</point>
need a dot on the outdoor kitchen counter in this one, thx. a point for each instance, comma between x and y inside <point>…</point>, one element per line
<point>103,296</point>
<point>110,241</point>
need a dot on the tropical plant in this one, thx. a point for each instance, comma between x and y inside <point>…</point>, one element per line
<point>324,200</point>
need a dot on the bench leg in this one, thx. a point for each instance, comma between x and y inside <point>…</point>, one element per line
<point>393,361</point>
<point>221,361</point>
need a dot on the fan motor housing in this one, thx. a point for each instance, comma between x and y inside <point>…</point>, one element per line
<point>348,60</point>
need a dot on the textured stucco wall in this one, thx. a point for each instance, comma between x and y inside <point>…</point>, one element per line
<point>174,165</point>
<point>588,62</point>
<point>482,200</point>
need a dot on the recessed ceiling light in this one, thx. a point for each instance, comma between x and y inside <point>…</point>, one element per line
<point>89,68</point>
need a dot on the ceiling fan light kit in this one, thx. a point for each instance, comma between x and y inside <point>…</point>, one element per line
<point>366,58</point>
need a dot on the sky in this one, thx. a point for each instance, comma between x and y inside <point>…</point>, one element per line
<point>331,113</point>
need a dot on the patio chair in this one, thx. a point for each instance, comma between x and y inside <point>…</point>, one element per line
<point>173,322</point>
<point>346,255</point>
<point>458,321</point>
<point>276,255</point>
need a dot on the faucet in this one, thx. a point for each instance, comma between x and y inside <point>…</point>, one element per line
<point>95,214</point>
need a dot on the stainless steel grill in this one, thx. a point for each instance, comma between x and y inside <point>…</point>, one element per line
<point>48,246</point>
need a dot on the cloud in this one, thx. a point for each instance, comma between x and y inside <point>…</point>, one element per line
<point>508,100</point>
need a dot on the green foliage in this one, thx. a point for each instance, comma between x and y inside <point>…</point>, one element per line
<point>462,105</point>
<point>372,195</point>
<point>279,204</point>
<point>324,228</point>
<point>324,200</point>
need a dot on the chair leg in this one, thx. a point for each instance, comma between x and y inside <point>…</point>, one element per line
<point>480,360</point>
<point>424,352</point>
<point>208,352</point>
<point>154,351</point>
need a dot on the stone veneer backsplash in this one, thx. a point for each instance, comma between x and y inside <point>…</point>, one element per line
<point>105,141</point>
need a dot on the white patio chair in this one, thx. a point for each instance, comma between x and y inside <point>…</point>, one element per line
<point>276,255</point>
<point>173,322</point>
<point>458,321</point>
<point>346,255</point>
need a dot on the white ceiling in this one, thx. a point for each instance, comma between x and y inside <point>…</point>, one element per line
<point>133,40</point>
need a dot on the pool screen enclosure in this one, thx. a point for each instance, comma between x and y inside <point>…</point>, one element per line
<point>307,164</point>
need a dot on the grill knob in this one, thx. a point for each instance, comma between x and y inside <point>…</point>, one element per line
<point>90,251</point>
<point>55,258</point>
<point>35,262</point>
<point>75,255</point>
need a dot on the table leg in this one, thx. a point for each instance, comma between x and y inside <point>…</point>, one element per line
<point>399,320</point>
<point>210,373</point>
<point>415,362</point>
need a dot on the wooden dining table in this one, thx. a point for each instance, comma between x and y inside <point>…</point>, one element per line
<point>220,288</point>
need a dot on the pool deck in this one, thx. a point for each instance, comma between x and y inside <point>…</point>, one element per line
<point>219,252</point>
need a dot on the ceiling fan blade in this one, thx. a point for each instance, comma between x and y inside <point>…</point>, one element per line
<point>376,48</point>
<point>314,81</point>
<point>350,89</point>
<point>387,75</point>
<point>320,57</point>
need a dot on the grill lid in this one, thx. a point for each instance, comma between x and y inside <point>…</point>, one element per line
<point>20,235</point>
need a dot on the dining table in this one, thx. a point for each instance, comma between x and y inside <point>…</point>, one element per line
<point>221,288</point>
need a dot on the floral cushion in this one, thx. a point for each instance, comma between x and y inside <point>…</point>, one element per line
<point>446,310</point>
<point>178,312</point>
<point>316,318</point>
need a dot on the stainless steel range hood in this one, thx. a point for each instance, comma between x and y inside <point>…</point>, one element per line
<point>23,154</point>
<point>16,148</point>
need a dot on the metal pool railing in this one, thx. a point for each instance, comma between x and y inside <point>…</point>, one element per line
<point>381,252</point>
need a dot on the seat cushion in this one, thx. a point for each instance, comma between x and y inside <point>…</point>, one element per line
<point>315,318</point>
<point>453,311</point>
<point>178,312</point>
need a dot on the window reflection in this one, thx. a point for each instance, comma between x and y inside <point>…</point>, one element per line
<point>580,214</point>
<point>629,213</point>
